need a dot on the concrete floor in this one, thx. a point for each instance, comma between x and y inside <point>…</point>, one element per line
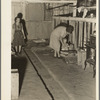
<point>30,85</point>
<point>43,77</point>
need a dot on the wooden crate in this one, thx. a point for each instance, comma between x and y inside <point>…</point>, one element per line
<point>81,58</point>
<point>14,84</point>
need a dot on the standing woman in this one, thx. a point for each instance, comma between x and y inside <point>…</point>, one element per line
<point>17,35</point>
<point>57,36</point>
<point>20,15</point>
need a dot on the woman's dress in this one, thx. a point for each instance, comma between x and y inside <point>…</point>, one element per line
<point>18,35</point>
<point>56,35</point>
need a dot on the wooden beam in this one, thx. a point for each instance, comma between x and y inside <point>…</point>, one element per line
<point>46,1</point>
<point>60,6</point>
<point>77,19</point>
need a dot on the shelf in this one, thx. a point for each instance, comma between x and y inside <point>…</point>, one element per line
<point>91,20</point>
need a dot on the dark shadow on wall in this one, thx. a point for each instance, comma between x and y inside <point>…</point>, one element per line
<point>19,63</point>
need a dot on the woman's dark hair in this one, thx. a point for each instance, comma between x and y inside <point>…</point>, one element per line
<point>19,15</point>
<point>16,19</point>
<point>69,28</point>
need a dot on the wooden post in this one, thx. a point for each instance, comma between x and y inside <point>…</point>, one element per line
<point>83,36</point>
<point>74,11</point>
<point>76,33</point>
<point>85,32</point>
<point>88,35</point>
<point>73,34</point>
<point>80,33</point>
<point>93,27</point>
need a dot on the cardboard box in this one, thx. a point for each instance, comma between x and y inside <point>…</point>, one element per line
<point>14,84</point>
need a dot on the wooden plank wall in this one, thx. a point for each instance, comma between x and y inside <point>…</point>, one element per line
<point>33,13</point>
<point>37,26</point>
<point>39,29</point>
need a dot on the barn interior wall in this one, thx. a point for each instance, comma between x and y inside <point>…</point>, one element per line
<point>33,13</point>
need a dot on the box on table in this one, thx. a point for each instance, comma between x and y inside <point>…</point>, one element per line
<point>14,84</point>
<point>81,57</point>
